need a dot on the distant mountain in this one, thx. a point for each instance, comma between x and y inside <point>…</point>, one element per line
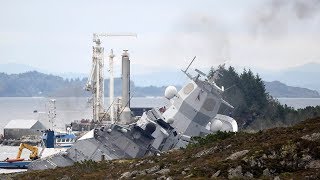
<point>33,83</point>
<point>14,68</point>
<point>307,75</point>
<point>278,89</point>
<point>142,76</point>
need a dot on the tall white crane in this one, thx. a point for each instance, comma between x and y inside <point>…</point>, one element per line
<point>95,82</point>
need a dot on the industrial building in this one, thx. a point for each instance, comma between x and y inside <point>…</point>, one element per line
<point>17,128</point>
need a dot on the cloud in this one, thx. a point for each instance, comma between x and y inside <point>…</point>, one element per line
<point>275,18</point>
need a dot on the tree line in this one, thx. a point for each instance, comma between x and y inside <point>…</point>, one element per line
<point>33,83</point>
<point>254,107</point>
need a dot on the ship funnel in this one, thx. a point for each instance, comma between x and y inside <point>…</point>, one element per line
<point>125,117</point>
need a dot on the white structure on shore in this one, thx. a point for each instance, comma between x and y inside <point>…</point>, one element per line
<point>22,127</point>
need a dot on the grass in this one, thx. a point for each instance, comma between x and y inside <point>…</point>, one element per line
<point>279,149</point>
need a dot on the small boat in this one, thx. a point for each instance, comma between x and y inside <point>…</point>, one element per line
<point>14,160</point>
<point>23,164</point>
<point>54,139</point>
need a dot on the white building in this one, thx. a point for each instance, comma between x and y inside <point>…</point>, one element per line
<point>22,127</point>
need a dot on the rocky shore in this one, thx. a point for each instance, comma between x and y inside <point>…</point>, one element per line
<point>32,140</point>
<point>279,153</point>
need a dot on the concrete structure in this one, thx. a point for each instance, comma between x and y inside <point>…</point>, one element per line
<point>125,101</point>
<point>21,127</point>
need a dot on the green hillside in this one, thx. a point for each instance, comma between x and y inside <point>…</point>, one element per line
<point>280,153</point>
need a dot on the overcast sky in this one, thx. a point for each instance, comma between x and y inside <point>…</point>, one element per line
<point>57,35</point>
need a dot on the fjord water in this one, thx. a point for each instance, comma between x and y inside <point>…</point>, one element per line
<point>67,109</point>
<point>77,108</point>
<point>297,103</point>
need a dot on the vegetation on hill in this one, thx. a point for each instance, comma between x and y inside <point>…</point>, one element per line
<point>254,107</point>
<point>279,153</point>
<point>33,83</point>
<point>38,84</point>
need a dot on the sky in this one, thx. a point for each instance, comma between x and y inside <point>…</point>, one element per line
<point>57,35</point>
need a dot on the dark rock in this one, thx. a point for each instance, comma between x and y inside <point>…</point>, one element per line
<point>5,142</point>
<point>153,169</point>
<point>205,152</point>
<point>248,175</point>
<point>314,164</point>
<point>125,175</point>
<point>162,178</point>
<point>276,178</point>
<point>134,173</point>
<point>273,155</point>
<point>237,155</point>
<point>312,137</point>
<point>189,176</point>
<point>235,172</point>
<point>216,174</point>
<point>163,171</point>
<point>266,172</point>
<point>65,177</point>
<point>141,173</point>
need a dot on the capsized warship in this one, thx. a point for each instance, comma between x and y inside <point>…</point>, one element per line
<point>192,111</point>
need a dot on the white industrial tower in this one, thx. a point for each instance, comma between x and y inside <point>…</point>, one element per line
<point>95,83</point>
<point>111,87</point>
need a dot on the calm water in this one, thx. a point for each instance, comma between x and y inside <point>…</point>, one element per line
<point>72,108</point>
<point>300,102</point>
<point>68,109</point>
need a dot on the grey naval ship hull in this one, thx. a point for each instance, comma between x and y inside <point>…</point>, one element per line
<point>191,112</point>
<point>108,142</point>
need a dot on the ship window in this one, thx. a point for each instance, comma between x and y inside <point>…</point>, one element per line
<point>175,133</point>
<point>58,140</point>
<point>188,88</point>
<point>63,140</point>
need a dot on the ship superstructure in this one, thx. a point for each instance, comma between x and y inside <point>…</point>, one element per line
<point>192,112</point>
